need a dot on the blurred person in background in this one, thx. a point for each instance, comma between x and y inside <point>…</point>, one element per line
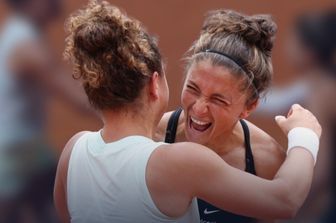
<point>28,74</point>
<point>313,53</point>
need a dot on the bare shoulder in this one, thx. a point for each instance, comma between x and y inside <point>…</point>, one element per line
<point>267,152</point>
<point>60,196</point>
<point>174,174</point>
<point>63,162</point>
<point>189,149</point>
<point>160,131</point>
<point>183,156</point>
<point>177,165</point>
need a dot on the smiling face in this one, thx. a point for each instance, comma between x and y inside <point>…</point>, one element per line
<point>213,102</point>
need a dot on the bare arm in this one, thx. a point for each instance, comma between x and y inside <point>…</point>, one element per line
<point>243,193</point>
<point>60,188</point>
<point>196,171</point>
<point>282,196</point>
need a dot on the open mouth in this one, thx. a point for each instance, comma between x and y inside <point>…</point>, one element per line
<point>198,125</point>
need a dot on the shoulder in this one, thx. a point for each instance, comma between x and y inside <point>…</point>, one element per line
<point>175,172</point>
<point>267,152</point>
<point>185,157</point>
<point>70,144</point>
<point>60,190</point>
<point>63,162</point>
<point>180,165</point>
<point>182,149</point>
<point>160,131</point>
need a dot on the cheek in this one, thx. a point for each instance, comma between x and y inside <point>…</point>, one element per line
<point>186,99</point>
<point>223,118</point>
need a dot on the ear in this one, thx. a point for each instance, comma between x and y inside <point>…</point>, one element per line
<point>154,85</point>
<point>248,109</point>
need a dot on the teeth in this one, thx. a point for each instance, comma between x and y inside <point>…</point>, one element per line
<point>199,122</point>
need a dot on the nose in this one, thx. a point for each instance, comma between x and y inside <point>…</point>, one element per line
<point>200,107</point>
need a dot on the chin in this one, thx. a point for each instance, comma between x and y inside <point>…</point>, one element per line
<point>196,138</point>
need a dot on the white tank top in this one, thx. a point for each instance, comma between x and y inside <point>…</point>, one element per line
<point>106,182</point>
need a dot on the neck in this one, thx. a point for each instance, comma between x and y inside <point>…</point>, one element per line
<point>222,145</point>
<point>120,124</point>
<point>228,141</point>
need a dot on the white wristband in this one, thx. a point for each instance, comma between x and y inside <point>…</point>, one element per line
<point>303,137</point>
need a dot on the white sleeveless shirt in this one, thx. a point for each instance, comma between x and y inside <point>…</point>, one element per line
<point>106,182</point>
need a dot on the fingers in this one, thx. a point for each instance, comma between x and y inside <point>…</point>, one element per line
<point>298,117</point>
<point>280,119</point>
<point>295,107</point>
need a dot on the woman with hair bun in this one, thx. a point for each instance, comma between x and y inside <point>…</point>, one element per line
<point>228,69</point>
<point>119,174</point>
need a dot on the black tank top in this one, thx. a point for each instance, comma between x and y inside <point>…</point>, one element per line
<point>209,213</point>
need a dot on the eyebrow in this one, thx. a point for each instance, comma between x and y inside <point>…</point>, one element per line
<point>193,84</point>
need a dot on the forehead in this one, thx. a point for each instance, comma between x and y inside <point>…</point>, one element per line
<point>216,77</point>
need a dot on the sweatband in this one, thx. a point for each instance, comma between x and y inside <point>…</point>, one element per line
<point>304,137</point>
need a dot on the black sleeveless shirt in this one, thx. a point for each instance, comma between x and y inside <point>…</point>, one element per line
<point>209,213</point>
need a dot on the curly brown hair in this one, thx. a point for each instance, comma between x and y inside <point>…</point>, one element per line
<point>112,54</point>
<point>246,41</point>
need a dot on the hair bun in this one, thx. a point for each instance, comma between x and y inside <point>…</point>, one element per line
<point>88,40</point>
<point>258,30</point>
<point>95,31</point>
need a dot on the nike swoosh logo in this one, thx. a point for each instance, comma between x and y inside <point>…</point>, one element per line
<point>210,212</point>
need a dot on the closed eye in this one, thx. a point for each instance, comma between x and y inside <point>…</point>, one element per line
<point>220,101</point>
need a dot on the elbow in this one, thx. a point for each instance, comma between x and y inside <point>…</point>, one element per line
<point>290,211</point>
<point>290,205</point>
